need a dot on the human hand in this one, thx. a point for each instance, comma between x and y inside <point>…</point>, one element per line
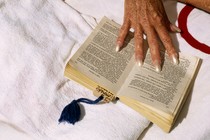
<point>148,17</point>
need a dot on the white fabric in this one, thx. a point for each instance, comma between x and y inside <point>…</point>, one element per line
<point>193,122</point>
<point>37,37</point>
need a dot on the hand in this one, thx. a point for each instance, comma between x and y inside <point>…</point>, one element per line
<point>148,17</point>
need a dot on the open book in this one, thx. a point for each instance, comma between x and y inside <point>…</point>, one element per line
<point>159,96</point>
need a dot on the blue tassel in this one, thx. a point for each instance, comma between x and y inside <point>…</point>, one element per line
<point>71,113</point>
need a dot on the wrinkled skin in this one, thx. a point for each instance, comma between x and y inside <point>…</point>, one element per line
<point>148,17</point>
<point>201,4</point>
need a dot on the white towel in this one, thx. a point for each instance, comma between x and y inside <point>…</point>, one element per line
<point>193,122</point>
<point>37,37</point>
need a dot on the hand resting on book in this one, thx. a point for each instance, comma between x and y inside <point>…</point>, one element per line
<point>149,17</point>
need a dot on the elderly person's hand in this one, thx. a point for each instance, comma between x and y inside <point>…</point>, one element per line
<point>148,17</point>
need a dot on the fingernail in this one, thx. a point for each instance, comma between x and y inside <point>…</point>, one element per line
<point>157,66</point>
<point>139,62</point>
<point>177,29</point>
<point>117,48</point>
<point>175,59</point>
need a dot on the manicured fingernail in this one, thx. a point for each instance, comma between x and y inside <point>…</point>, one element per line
<point>117,48</point>
<point>175,59</point>
<point>157,66</point>
<point>177,29</point>
<point>139,62</point>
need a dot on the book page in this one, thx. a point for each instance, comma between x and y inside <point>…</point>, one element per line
<point>163,90</point>
<point>98,60</point>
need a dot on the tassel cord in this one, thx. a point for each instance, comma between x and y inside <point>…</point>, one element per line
<point>88,101</point>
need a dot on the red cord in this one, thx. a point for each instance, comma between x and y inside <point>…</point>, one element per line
<point>182,21</point>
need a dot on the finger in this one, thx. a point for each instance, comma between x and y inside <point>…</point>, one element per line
<point>174,28</point>
<point>168,44</point>
<point>122,34</point>
<point>139,53</point>
<point>170,27</point>
<point>154,48</point>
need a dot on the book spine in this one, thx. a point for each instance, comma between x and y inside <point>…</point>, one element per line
<point>108,96</point>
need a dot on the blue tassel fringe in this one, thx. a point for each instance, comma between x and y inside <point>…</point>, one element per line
<point>71,113</point>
